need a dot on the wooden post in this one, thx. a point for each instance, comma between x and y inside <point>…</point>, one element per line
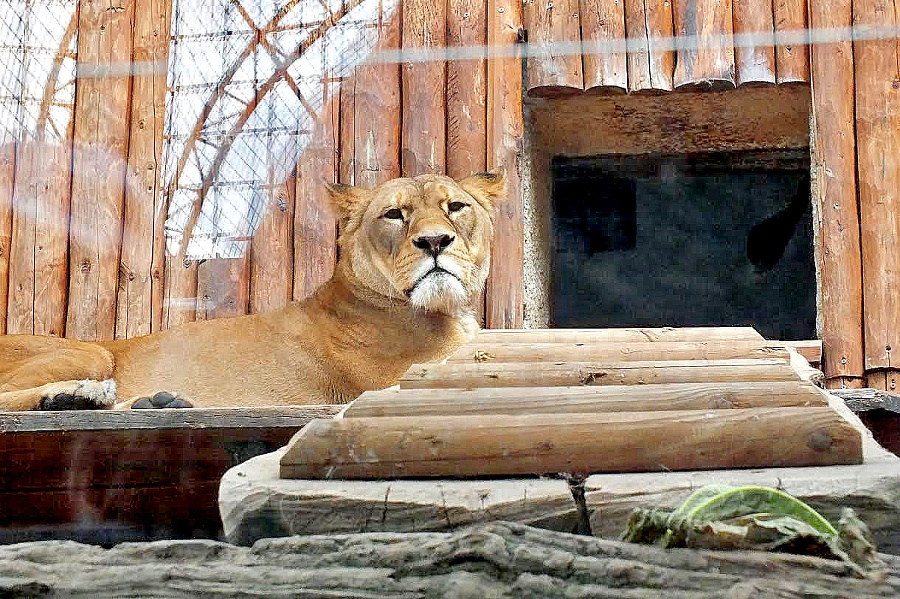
<point>144,209</point>
<point>7,178</point>
<point>504,304</point>
<point>180,298</point>
<point>878,144</point>
<point>551,23</point>
<point>708,61</point>
<point>650,67</point>
<point>467,98</point>
<point>424,89</point>
<point>754,63</point>
<point>272,250</point>
<point>603,21</point>
<point>223,287</point>
<point>98,179</point>
<point>792,60</point>
<point>836,218</point>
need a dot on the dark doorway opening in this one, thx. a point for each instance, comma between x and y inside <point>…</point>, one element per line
<point>712,239</point>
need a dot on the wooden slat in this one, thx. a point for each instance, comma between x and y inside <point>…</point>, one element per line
<point>505,293</point>
<point>583,399</point>
<point>792,59</point>
<point>623,335</point>
<point>7,178</point>
<point>98,180</point>
<point>554,374</point>
<point>503,445</point>
<point>144,210</point>
<point>810,349</point>
<point>222,287</point>
<point>424,133</point>
<point>836,217</point>
<point>645,352</point>
<point>272,251</point>
<point>877,73</point>
<point>551,69</point>
<point>754,62</point>
<point>180,297</point>
<point>467,98</point>
<point>707,60</point>
<point>650,66</point>
<point>602,25</point>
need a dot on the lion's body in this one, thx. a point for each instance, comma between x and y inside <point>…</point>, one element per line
<point>359,331</point>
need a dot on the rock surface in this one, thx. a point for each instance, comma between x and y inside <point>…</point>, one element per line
<point>489,560</point>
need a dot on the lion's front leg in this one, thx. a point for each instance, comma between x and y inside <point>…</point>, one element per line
<point>86,394</point>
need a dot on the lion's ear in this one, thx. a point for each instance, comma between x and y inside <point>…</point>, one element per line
<point>488,188</point>
<point>346,200</point>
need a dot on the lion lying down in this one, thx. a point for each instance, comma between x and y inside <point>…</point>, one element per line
<point>414,253</point>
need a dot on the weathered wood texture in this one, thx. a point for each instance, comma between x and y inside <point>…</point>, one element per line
<point>583,399</point>
<point>706,60</point>
<point>551,374</point>
<point>792,51</point>
<point>554,33</point>
<point>223,287</point>
<point>272,249</point>
<point>836,217</point>
<point>510,445</point>
<point>622,335</point>
<point>651,65</point>
<point>603,51</point>
<point>754,38</point>
<point>7,176</point>
<point>102,109</point>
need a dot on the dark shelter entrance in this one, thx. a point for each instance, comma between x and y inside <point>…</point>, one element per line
<point>706,239</point>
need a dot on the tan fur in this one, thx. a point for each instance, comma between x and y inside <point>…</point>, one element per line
<point>361,330</point>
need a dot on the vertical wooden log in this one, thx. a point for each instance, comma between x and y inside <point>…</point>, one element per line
<point>754,38</point>
<point>135,312</point>
<point>792,59</point>
<point>7,178</point>
<point>707,61</point>
<point>467,97</point>
<point>504,298</point>
<point>603,24</point>
<point>837,245</point>
<point>222,287</point>
<point>553,70</point>
<point>98,182</point>
<point>272,251</point>
<point>424,89</point>
<point>650,65</point>
<point>877,73</point>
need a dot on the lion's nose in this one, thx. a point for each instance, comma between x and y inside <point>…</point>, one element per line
<point>434,244</point>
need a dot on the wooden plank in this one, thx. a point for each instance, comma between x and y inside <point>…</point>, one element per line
<point>754,38</point>
<point>810,349</point>
<point>553,69</point>
<point>835,213</point>
<point>602,27</point>
<point>98,180</point>
<point>885,379</point>
<point>758,118</point>
<point>622,352</point>
<point>7,179</point>
<point>622,335</point>
<point>792,59</point>
<point>877,77</point>
<point>223,287</point>
<point>707,60</point>
<point>554,374</point>
<point>180,297</point>
<point>504,445</point>
<point>651,65</point>
<point>424,133</point>
<point>583,399</point>
<point>272,251</point>
<point>505,294</point>
<point>467,98</point>
<point>144,208</point>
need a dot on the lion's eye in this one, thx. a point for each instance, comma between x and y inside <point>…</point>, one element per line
<point>456,206</point>
<point>394,214</point>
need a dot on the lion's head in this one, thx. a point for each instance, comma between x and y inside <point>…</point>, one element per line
<point>424,240</point>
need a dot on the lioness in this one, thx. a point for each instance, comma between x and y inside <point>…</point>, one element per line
<point>414,254</point>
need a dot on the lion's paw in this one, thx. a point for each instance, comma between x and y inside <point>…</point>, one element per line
<point>161,400</point>
<point>79,395</point>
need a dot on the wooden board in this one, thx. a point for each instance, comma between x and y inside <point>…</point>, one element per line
<point>620,335</point>
<point>650,64</point>
<point>792,58</point>
<point>584,399</point>
<point>754,39</point>
<point>707,60</point>
<point>623,352</point>
<point>272,250</point>
<point>552,374</point>
<point>504,445</point>
<point>180,297</point>
<point>603,52</point>
<point>553,27</point>
<point>835,213</point>
<point>7,177</point>
<point>223,287</point>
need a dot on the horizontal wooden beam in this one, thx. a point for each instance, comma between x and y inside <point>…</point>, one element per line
<point>548,400</point>
<point>503,445</point>
<point>620,335</point>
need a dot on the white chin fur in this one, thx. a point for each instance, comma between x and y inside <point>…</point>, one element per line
<point>439,292</point>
